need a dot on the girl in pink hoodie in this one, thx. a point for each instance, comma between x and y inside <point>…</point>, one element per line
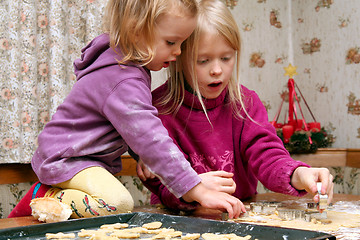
<point>222,127</point>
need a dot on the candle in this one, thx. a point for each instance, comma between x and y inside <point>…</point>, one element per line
<point>299,124</point>
<point>293,123</point>
<point>314,126</point>
<point>287,131</point>
<point>276,124</point>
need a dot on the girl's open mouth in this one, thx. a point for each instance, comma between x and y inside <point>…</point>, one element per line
<point>214,84</point>
<point>166,64</point>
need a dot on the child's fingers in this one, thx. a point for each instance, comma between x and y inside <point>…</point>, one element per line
<point>223,174</point>
<point>228,207</point>
<point>140,172</point>
<point>143,172</point>
<point>228,188</point>
<point>147,173</point>
<point>230,204</point>
<point>326,180</point>
<point>224,178</point>
<point>330,191</point>
<point>228,182</point>
<point>228,185</point>
<point>327,185</point>
<point>235,207</point>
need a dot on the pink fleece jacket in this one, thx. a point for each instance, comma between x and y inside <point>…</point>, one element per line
<point>249,149</point>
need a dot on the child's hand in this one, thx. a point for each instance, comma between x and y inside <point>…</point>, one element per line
<point>220,181</point>
<point>305,178</point>
<point>215,200</point>
<point>143,172</point>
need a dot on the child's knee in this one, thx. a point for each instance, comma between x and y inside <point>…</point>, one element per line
<point>121,201</point>
<point>126,203</point>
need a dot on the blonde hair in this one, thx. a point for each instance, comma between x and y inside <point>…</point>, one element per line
<point>213,16</point>
<point>128,20</point>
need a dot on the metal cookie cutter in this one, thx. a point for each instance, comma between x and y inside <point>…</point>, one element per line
<point>323,198</point>
<point>224,216</point>
<point>312,205</point>
<point>307,215</point>
<point>265,208</point>
<point>318,215</point>
<point>291,214</point>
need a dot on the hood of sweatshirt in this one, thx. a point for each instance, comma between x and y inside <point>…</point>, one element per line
<point>98,54</point>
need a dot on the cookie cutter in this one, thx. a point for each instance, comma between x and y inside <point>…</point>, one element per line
<point>265,208</point>
<point>268,208</point>
<point>307,215</point>
<point>312,205</point>
<point>317,215</point>
<point>224,216</point>
<point>323,198</point>
<point>291,214</point>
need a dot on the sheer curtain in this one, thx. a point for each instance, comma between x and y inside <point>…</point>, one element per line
<point>39,40</point>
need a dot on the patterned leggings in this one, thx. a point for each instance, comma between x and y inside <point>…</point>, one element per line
<point>93,192</point>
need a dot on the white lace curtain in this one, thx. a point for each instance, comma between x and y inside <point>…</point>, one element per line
<point>39,40</point>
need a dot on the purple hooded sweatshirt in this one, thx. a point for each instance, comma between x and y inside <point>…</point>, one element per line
<point>108,109</point>
<point>249,149</point>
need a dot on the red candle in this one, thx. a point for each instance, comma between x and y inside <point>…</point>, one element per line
<point>276,124</point>
<point>314,126</point>
<point>287,131</point>
<point>292,123</point>
<point>299,124</point>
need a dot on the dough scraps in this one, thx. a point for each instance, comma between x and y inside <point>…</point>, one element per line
<point>59,235</point>
<point>334,221</point>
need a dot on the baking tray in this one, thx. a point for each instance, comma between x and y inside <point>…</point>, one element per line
<point>180,223</point>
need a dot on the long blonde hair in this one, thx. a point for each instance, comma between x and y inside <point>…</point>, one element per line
<point>128,20</point>
<point>213,16</point>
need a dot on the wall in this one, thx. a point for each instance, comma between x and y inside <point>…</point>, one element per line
<point>325,77</point>
<point>329,78</point>
<point>39,40</point>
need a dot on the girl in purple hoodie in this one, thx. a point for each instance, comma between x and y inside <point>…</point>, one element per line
<point>109,110</point>
<point>222,127</point>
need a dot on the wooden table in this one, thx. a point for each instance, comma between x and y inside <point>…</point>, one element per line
<point>201,212</point>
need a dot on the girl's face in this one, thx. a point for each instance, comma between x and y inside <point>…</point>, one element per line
<point>214,66</point>
<point>171,31</point>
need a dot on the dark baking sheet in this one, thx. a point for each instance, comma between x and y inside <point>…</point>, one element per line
<point>180,223</point>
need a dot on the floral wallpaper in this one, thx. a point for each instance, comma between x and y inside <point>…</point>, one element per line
<point>321,39</point>
<point>39,40</point>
